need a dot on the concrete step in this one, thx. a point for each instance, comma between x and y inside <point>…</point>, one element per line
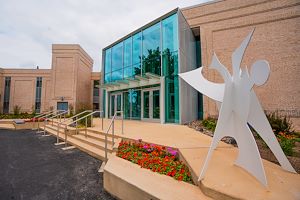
<point>93,142</point>
<point>80,144</point>
<point>100,132</point>
<point>96,136</point>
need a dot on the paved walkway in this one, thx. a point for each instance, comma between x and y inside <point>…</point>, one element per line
<point>223,176</point>
<point>31,167</point>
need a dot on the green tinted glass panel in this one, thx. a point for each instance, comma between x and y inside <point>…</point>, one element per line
<point>136,69</point>
<point>107,61</point>
<point>107,78</point>
<point>128,72</point>
<point>136,48</point>
<point>151,50</point>
<point>117,56</point>
<point>170,33</point>
<point>126,104</point>
<point>119,104</point>
<point>156,110</point>
<point>127,52</point>
<point>135,98</point>
<point>170,63</point>
<point>146,104</point>
<point>116,75</point>
<point>172,99</point>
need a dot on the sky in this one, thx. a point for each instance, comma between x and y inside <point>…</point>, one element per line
<point>28,28</point>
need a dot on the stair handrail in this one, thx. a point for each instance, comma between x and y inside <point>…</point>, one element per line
<point>75,116</point>
<point>66,119</point>
<point>58,113</point>
<point>41,114</point>
<point>81,118</point>
<point>112,125</point>
<point>45,115</point>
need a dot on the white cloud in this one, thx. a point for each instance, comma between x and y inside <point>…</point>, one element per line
<point>28,28</point>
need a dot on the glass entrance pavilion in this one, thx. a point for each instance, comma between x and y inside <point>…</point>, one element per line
<point>140,72</point>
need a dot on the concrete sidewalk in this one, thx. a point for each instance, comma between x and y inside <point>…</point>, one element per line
<point>223,178</point>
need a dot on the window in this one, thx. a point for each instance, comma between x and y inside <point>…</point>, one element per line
<point>6,95</point>
<point>38,94</point>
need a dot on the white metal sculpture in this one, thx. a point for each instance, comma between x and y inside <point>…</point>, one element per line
<point>238,106</point>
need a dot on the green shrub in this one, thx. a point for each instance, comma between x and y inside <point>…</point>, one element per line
<point>280,123</point>
<point>17,110</point>
<point>286,145</point>
<point>210,124</point>
<point>81,108</point>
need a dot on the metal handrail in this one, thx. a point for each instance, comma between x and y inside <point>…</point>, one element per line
<point>112,125</point>
<point>62,122</point>
<point>81,118</point>
<point>59,114</point>
<point>75,116</point>
<point>40,115</point>
<point>46,115</point>
<point>47,118</point>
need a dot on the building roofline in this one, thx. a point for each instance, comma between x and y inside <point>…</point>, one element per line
<point>142,28</point>
<point>201,4</point>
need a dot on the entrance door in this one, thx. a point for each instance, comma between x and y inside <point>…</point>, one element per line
<point>150,102</point>
<point>62,106</point>
<point>116,103</point>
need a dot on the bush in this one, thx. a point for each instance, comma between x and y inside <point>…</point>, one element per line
<point>210,124</point>
<point>286,145</point>
<point>17,110</point>
<point>83,107</point>
<point>280,123</point>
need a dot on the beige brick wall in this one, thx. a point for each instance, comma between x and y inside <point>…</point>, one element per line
<point>71,75</point>
<point>223,25</point>
<point>23,88</point>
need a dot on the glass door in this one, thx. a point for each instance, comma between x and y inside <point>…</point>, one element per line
<point>151,104</point>
<point>116,104</point>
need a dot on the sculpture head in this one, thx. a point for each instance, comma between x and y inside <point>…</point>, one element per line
<point>259,73</point>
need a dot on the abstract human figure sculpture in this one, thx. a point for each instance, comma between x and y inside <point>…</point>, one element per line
<point>238,106</point>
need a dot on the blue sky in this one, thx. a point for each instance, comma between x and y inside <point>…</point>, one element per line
<point>29,27</point>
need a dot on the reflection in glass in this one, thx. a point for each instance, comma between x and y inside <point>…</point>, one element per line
<point>135,103</point>
<point>117,62</point>
<point>151,49</point>
<point>170,67</point>
<point>116,75</point>
<point>127,52</point>
<point>136,53</point>
<point>107,62</point>
<point>128,72</point>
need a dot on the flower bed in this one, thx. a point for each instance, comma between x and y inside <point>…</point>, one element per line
<point>156,158</point>
<point>35,120</point>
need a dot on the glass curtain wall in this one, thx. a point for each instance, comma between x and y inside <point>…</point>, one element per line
<point>152,50</point>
